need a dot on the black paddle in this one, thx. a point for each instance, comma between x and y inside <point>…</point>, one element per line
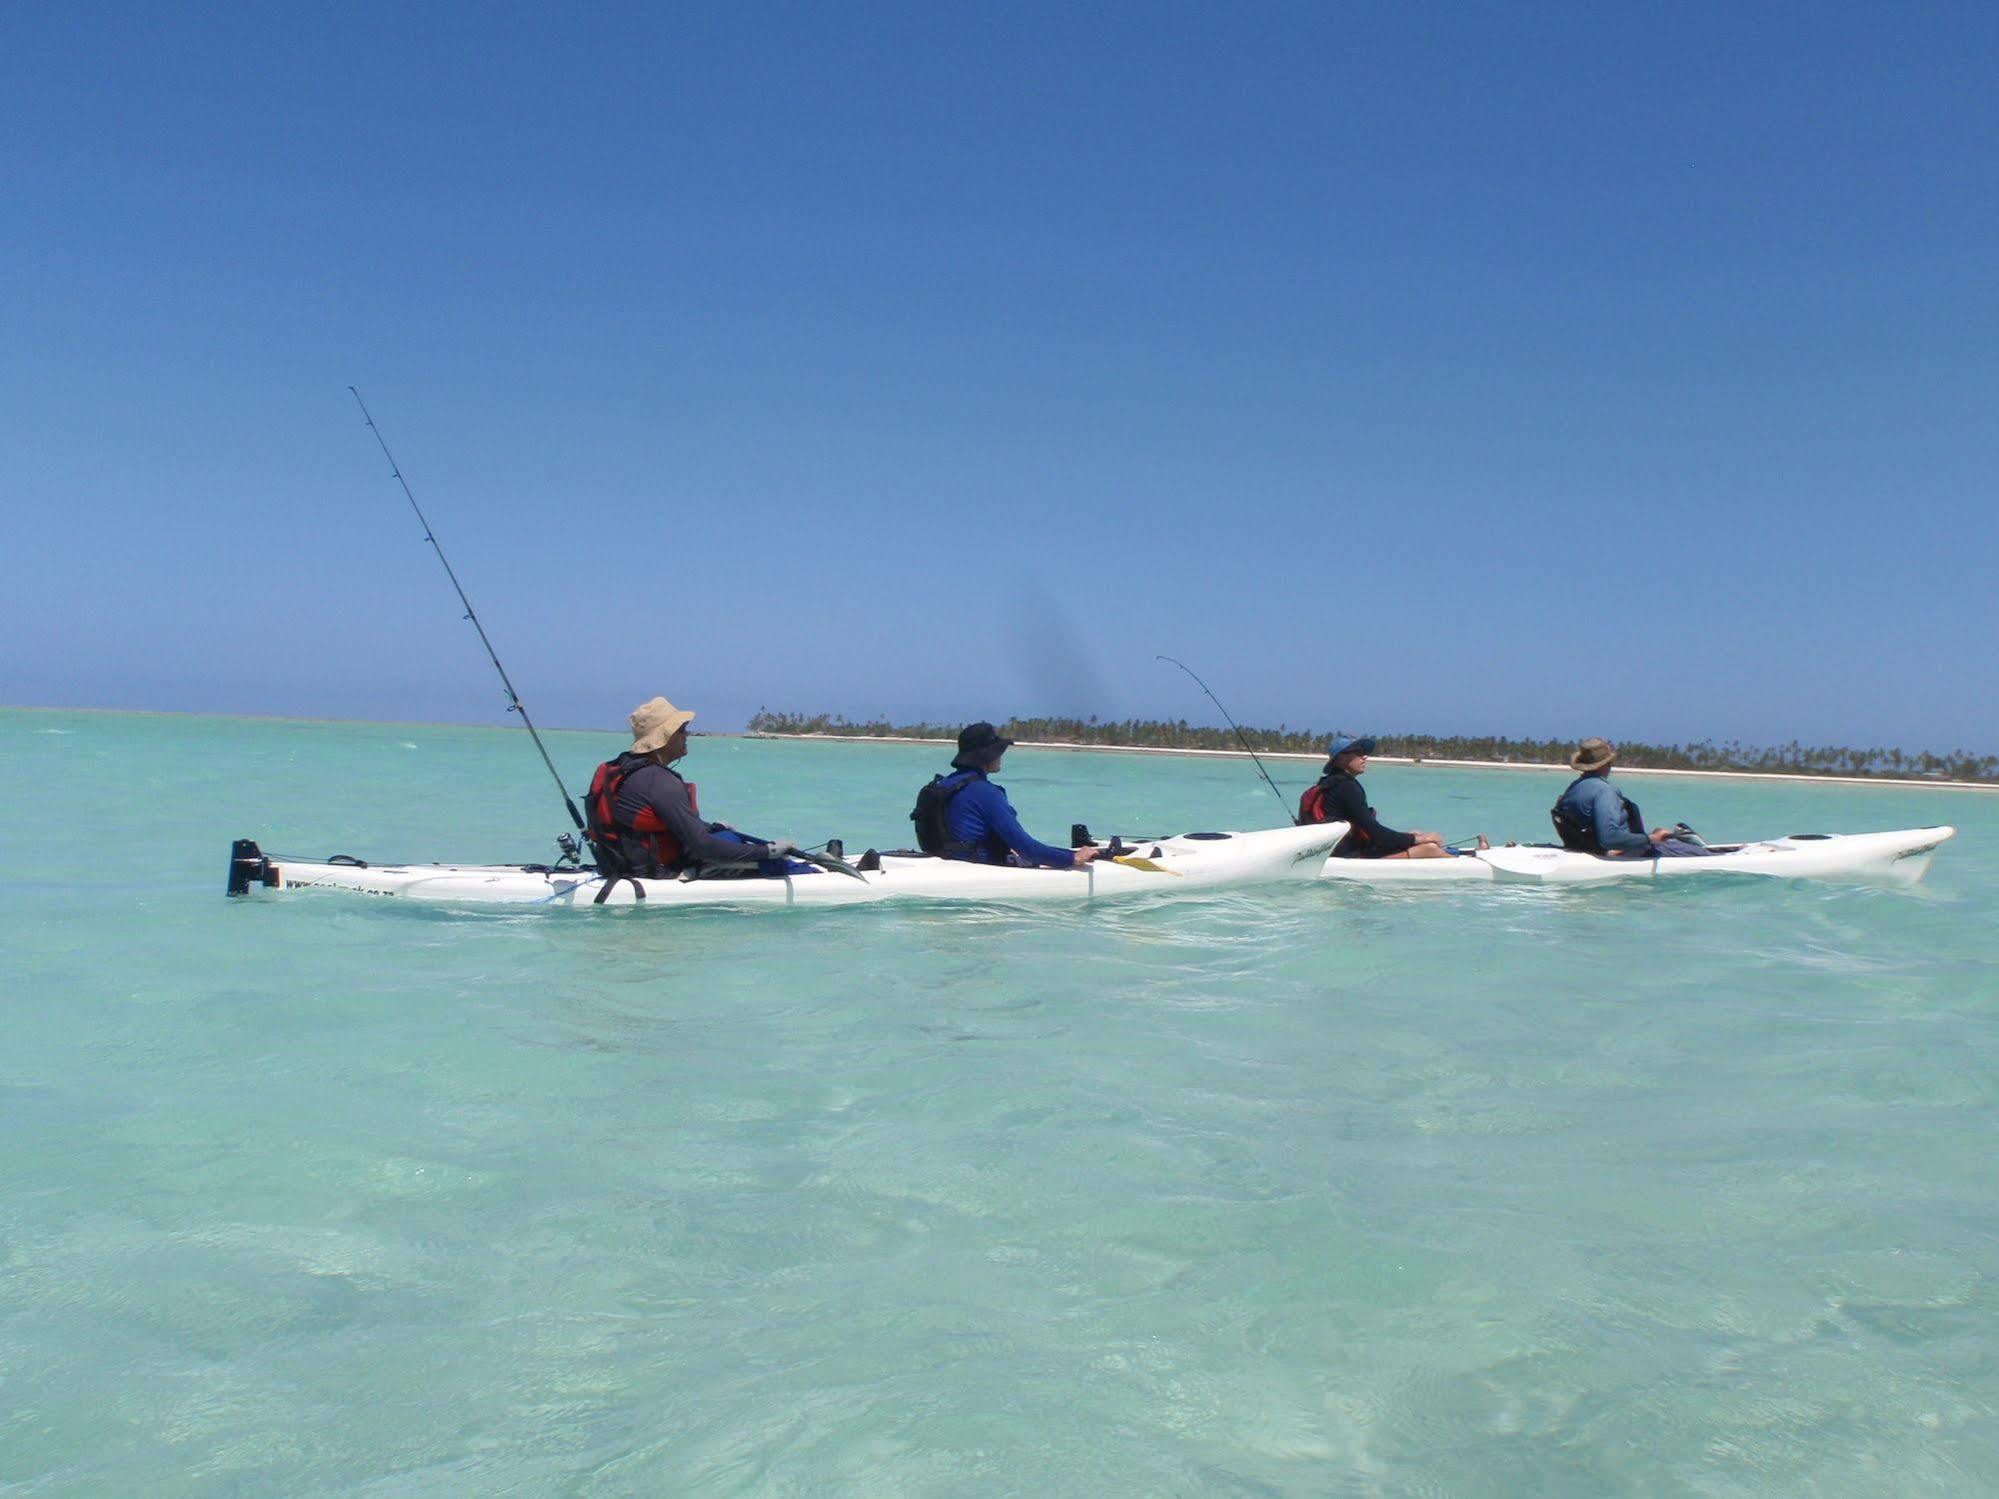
<point>827,861</point>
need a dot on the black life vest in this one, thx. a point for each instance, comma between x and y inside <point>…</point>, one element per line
<point>1579,836</point>
<point>933,828</point>
<point>642,847</point>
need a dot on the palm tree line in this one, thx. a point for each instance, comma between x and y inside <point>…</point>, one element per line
<point>1152,733</point>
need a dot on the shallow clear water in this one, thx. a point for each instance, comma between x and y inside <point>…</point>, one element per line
<point>1675,1189</point>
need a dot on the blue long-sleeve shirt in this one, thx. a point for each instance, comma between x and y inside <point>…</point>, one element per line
<point>982,809</point>
<point>1594,801</point>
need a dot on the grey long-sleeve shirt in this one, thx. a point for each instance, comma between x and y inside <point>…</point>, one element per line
<point>653,785</point>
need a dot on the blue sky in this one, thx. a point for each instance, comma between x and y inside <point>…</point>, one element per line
<point>1556,369</point>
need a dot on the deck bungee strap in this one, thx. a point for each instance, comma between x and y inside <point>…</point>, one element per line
<point>611,882</point>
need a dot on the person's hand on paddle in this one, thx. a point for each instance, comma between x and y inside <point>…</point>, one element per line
<point>1660,835</point>
<point>780,848</point>
<point>1085,854</point>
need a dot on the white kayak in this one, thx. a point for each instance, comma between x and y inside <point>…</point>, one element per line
<point>1902,857</point>
<point>1155,866</point>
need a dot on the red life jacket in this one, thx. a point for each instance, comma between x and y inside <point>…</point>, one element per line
<point>1312,805</point>
<point>642,846</point>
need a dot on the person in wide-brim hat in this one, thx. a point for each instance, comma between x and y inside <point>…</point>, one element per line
<point>979,744</point>
<point>965,814</point>
<point>1593,817</point>
<point>654,723</point>
<point>1593,755</point>
<point>644,820</point>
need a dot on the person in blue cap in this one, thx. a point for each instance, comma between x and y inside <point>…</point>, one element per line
<point>965,814</point>
<point>1338,798</point>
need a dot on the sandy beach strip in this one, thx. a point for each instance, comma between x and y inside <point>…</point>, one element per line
<point>1790,777</point>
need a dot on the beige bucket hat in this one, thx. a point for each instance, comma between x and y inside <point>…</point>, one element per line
<point>1592,755</point>
<point>655,722</point>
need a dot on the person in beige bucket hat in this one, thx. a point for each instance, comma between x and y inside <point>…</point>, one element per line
<point>644,818</point>
<point>1592,817</point>
<point>654,723</point>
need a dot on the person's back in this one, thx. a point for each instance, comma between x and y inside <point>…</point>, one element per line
<point>966,815</point>
<point>1592,816</point>
<point>644,819</point>
<point>952,820</point>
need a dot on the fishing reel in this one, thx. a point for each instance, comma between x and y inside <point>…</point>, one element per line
<point>572,855</point>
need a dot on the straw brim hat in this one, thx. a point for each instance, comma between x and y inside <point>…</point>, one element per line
<point>1592,755</point>
<point>655,722</point>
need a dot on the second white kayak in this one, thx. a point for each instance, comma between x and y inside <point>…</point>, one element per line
<point>1902,856</point>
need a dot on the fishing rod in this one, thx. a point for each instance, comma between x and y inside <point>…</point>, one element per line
<point>1286,805</point>
<point>514,703</point>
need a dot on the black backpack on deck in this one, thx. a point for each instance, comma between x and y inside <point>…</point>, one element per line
<point>933,836</point>
<point>933,833</point>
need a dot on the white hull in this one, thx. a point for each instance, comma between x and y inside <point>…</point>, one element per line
<point>1902,857</point>
<point>1161,866</point>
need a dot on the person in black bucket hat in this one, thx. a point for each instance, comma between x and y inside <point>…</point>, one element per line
<point>965,814</point>
<point>979,743</point>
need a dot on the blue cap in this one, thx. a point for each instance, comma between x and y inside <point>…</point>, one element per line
<point>1344,744</point>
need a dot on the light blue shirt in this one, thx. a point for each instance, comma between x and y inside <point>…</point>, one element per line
<point>1593,801</point>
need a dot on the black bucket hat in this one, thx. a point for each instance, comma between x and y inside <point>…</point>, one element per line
<point>978,743</point>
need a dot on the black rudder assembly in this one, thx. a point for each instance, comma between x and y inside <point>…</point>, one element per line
<point>248,866</point>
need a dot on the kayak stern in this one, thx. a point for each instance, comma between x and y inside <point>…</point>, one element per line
<point>248,866</point>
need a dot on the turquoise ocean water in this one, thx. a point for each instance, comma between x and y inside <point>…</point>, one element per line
<point>1656,1190</point>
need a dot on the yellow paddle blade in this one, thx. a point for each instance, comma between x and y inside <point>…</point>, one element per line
<point>1133,861</point>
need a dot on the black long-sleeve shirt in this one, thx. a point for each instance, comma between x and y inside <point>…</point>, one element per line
<point>653,785</point>
<point>1366,838</point>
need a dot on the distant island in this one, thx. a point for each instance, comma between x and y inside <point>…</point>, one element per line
<point>1704,755</point>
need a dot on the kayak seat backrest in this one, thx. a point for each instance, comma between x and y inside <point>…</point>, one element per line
<point>1573,835</point>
